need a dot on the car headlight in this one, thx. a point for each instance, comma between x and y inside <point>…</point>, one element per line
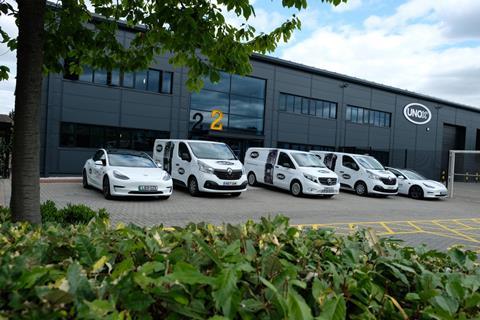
<point>429,186</point>
<point>203,167</point>
<point>120,176</point>
<point>166,177</point>
<point>310,177</point>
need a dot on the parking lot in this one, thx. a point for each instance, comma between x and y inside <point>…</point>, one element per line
<point>438,223</point>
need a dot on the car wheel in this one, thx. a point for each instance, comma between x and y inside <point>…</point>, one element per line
<point>193,187</point>
<point>361,188</point>
<point>85,180</point>
<point>296,188</point>
<point>252,179</point>
<point>235,194</point>
<point>416,192</point>
<point>106,188</point>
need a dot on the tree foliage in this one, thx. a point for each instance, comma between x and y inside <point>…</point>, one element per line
<point>195,33</point>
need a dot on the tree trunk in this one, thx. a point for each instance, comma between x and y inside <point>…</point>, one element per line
<point>25,198</point>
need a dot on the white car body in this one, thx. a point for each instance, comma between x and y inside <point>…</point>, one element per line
<point>359,172</point>
<point>144,180</point>
<point>408,180</point>
<point>220,172</point>
<point>279,168</point>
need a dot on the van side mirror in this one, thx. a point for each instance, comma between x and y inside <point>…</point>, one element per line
<point>185,157</point>
<point>401,178</point>
<point>99,163</point>
<point>286,165</point>
<point>158,163</point>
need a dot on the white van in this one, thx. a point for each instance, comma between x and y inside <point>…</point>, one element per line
<point>297,171</point>
<point>361,173</point>
<point>201,166</point>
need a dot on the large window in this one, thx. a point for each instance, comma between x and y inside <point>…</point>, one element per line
<point>149,80</point>
<point>308,106</point>
<point>368,116</point>
<point>77,135</point>
<point>241,101</point>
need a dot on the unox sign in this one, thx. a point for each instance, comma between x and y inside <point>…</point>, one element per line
<point>417,113</point>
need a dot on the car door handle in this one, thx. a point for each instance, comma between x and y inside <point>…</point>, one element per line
<point>342,171</point>
<point>177,164</point>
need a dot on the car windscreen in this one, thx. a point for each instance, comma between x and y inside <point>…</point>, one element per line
<point>369,163</point>
<point>412,175</point>
<point>212,151</point>
<point>130,160</point>
<point>307,160</point>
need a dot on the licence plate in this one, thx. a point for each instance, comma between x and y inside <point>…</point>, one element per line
<point>443,193</point>
<point>229,183</point>
<point>328,190</point>
<point>147,188</point>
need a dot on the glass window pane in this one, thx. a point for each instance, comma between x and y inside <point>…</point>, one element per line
<point>298,105</point>
<point>82,136</point>
<point>282,102</point>
<point>208,100</point>
<point>290,103</point>
<point>245,124</point>
<point>388,120</point>
<point>305,105</point>
<point>326,110</point>
<point>87,74</point>
<point>67,135</point>
<point>115,77</point>
<point>382,119</point>
<point>248,86</point>
<point>202,120</point>
<point>141,80</point>
<point>377,119</point>
<point>246,106</point>
<point>360,115</point>
<point>223,85</point>
<point>372,117</point>
<point>153,80</point>
<point>333,110</point>
<point>111,136</point>
<point>96,137</point>
<point>349,113</point>
<point>127,79</point>
<point>366,116</point>
<point>354,114</point>
<point>100,76</point>
<point>167,82</point>
<point>312,107</point>
<point>124,141</point>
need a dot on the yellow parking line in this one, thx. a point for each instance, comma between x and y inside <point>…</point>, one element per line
<point>462,224</point>
<point>455,231</point>
<point>389,231</point>
<point>415,226</point>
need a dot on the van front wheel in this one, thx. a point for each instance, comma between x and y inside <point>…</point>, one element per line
<point>296,188</point>
<point>193,187</point>
<point>361,188</point>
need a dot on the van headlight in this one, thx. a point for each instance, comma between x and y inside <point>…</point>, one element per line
<point>203,167</point>
<point>310,177</point>
<point>166,177</point>
<point>373,176</point>
<point>119,175</point>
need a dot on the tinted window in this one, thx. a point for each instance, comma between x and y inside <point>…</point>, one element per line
<point>248,86</point>
<point>98,155</point>
<point>284,160</point>
<point>305,105</point>
<point>208,100</point>
<point>298,105</point>
<point>369,163</point>
<point>290,103</point>
<point>115,77</point>
<point>246,106</point>
<point>87,74</point>
<point>100,76</point>
<point>245,123</point>
<point>128,79</point>
<point>282,102</point>
<point>141,80</point>
<point>153,80</point>
<point>129,160</point>
<point>223,85</point>
<point>167,80</point>
<point>183,149</point>
<point>348,162</point>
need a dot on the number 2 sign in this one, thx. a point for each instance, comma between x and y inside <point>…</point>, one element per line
<point>216,124</point>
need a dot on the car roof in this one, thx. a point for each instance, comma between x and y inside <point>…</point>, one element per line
<point>125,151</point>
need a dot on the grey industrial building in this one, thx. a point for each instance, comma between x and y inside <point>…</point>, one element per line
<point>281,103</point>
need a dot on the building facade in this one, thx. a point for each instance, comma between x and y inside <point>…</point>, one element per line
<point>281,104</point>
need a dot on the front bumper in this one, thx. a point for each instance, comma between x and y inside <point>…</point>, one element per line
<point>435,194</point>
<point>312,188</point>
<point>211,183</point>
<point>132,188</point>
<point>384,190</point>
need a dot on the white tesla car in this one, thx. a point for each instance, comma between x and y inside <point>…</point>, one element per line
<point>416,186</point>
<point>126,173</point>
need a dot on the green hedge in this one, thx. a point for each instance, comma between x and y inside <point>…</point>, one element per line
<point>265,270</point>
<point>71,214</point>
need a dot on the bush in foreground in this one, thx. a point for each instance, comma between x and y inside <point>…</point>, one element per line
<point>265,270</point>
<point>71,214</point>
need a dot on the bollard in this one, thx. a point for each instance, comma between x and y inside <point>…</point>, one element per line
<point>442,178</point>
<point>466,176</point>
<point>476,177</point>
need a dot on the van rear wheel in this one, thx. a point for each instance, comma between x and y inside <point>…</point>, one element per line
<point>296,188</point>
<point>193,187</point>
<point>252,179</point>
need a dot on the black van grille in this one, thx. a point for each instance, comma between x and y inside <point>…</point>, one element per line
<point>328,181</point>
<point>389,181</point>
<point>225,175</point>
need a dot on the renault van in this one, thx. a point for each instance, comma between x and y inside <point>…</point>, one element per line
<point>201,166</point>
<point>361,173</point>
<point>297,171</point>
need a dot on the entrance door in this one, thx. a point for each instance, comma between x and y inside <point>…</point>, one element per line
<point>453,139</point>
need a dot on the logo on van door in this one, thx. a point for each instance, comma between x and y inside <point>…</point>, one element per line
<point>280,176</point>
<point>417,113</point>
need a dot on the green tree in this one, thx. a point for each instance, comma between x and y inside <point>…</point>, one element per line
<point>194,31</point>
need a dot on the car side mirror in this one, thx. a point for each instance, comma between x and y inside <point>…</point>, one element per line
<point>99,163</point>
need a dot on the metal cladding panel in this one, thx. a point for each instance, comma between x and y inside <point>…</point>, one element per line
<point>358,96</point>
<point>322,132</point>
<point>383,101</point>
<point>293,82</point>
<point>71,161</point>
<point>144,122</point>
<point>292,128</point>
<point>326,89</point>
<point>379,138</point>
<point>356,135</point>
<point>90,117</point>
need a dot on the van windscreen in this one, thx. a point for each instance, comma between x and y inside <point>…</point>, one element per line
<point>213,151</point>
<point>369,163</point>
<point>307,160</point>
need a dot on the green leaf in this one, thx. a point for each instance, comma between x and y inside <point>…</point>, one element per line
<point>297,307</point>
<point>334,308</point>
<point>122,268</point>
<point>187,274</point>
<point>447,304</point>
